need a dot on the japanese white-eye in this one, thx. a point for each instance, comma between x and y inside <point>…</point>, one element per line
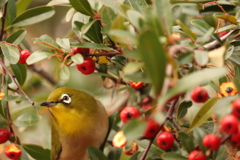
<point>78,122</point>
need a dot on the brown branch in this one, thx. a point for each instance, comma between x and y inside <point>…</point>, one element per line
<point>13,77</point>
<point>3,21</point>
<point>42,73</point>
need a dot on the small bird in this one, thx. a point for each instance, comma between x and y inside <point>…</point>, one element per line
<point>78,122</point>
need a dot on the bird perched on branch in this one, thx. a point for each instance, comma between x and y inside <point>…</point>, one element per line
<point>78,122</point>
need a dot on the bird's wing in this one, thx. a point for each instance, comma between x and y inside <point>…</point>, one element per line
<point>56,144</point>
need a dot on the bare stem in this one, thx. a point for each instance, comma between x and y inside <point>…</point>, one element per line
<point>3,21</point>
<point>13,77</point>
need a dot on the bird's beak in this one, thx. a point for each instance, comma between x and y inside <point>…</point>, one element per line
<point>48,104</point>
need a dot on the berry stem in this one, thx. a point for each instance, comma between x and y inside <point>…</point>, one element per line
<point>13,77</point>
<point>3,21</point>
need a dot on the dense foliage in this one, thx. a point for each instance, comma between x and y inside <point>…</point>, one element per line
<point>166,70</point>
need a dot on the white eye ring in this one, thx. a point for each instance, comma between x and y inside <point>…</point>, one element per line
<point>66,98</point>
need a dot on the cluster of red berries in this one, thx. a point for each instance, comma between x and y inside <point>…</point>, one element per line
<point>24,54</point>
<point>88,66</point>
<point>12,151</point>
<point>165,140</point>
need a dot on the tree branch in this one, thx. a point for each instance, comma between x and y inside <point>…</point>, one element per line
<point>13,77</point>
<point>3,21</point>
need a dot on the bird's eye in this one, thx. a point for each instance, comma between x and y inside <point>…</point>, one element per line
<point>66,99</point>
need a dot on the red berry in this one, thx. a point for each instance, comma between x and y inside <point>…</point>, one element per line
<point>236,108</point>
<point>12,151</point>
<point>87,67</point>
<point>165,140</point>
<point>128,113</point>
<point>211,142</point>
<point>199,95</point>
<point>235,140</point>
<point>222,33</point>
<point>24,54</point>
<point>136,85</point>
<point>229,124</point>
<point>196,155</point>
<point>152,128</point>
<point>76,50</point>
<point>4,135</point>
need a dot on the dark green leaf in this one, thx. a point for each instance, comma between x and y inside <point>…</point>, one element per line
<point>134,129</point>
<point>182,110</point>
<point>204,113</point>
<point>154,57</point>
<point>11,12</point>
<point>221,153</point>
<point>3,122</point>
<point>186,141</point>
<point>204,27</point>
<point>96,154</point>
<point>135,156</point>
<point>17,37</point>
<point>20,72</point>
<point>115,153</point>
<point>11,53</point>
<point>82,6</point>
<point>94,32</point>
<point>173,156</point>
<point>27,119</point>
<point>4,101</point>
<point>185,58</point>
<point>200,77</point>
<point>37,152</point>
<point>33,16</point>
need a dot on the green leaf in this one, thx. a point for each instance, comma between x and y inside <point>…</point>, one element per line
<point>107,18</point>
<point>187,31</point>
<point>22,5</point>
<point>20,71</point>
<point>46,41</point>
<point>135,156</point>
<point>78,59</point>
<point>227,17</point>
<point>204,27</point>
<point>154,57</point>
<point>38,56</point>
<point>154,149</point>
<point>11,53</point>
<point>94,32</point>
<point>138,5</point>
<point>173,156</point>
<point>27,119</point>
<point>82,6</point>
<point>33,16</point>
<point>85,28</point>
<point>182,110</point>
<point>185,58</point>
<point>123,37</point>
<point>4,101</point>
<point>134,129</point>
<point>64,73</point>
<point>165,14</point>
<point>192,80</point>
<point>134,17</point>
<point>11,12</point>
<point>201,57</point>
<point>37,152</point>
<point>203,114</point>
<point>17,37</point>
<point>3,122</point>
<point>96,154</point>
<point>91,45</point>
<point>115,153</point>
<point>186,141</point>
<point>64,43</point>
<point>198,134</point>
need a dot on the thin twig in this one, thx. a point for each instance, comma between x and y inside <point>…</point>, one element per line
<point>13,77</point>
<point>3,21</point>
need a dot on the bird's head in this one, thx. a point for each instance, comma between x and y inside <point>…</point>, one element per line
<point>69,107</point>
